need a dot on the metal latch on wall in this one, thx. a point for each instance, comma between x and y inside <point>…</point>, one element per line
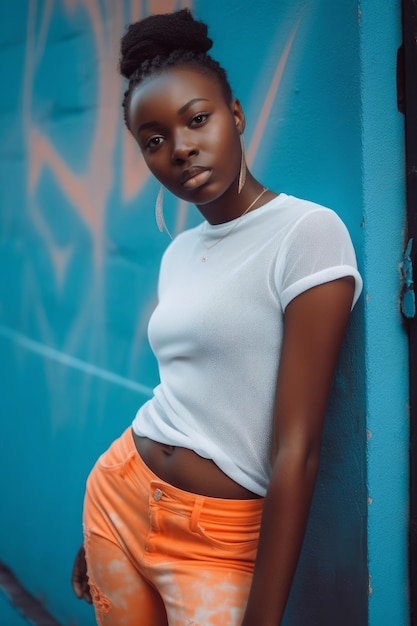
<point>408,298</point>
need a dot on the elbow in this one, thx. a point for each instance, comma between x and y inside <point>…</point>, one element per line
<point>312,462</point>
<point>303,459</point>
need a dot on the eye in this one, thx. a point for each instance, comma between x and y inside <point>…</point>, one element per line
<point>200,119</point>
<point>154,142</point>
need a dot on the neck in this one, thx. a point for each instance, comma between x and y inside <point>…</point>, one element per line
<point>232,205</point>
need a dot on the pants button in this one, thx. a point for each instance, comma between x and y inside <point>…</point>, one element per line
<point>157,494</point>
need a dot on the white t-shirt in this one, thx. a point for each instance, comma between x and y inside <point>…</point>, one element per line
<point>217,329</point>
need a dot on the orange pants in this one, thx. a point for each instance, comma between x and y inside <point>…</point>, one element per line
<point>158,555</point>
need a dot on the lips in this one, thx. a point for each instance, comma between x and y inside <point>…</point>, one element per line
<point>195,176</point>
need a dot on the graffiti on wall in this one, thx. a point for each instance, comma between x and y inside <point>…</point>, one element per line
<point>90,197</point>
<point>81,292</point>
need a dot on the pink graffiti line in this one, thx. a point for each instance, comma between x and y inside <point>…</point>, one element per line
<point>270,97</point>
<point>87,191</point>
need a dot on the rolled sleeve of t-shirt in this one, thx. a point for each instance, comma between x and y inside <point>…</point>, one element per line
<point>317,250</point>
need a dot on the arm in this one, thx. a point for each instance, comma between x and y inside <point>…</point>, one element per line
<point>314,326</point>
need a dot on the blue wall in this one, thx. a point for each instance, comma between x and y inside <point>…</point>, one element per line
<point>79,254</point>
<point>386,342</point>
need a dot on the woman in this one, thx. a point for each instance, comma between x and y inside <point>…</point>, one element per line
<point>197,514</point>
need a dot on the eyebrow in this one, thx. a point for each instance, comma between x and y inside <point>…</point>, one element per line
<point>147,125</point>
<point>186,106</point>
<point>181,110</point>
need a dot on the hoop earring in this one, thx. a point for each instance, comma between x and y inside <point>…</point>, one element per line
<point>242,172</point>
<point>159,212</point>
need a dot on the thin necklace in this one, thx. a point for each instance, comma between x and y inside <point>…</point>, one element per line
<point>204,258</point>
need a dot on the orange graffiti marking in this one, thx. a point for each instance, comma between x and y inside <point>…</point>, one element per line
<point>270,98</point>
<point>88,192</point>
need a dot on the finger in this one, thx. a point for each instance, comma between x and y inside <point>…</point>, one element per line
<point>78,589</point>
<point>86,591</point>
<point>87,596</point>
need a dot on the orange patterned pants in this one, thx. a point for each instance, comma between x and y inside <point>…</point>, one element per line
<point>161,556</point>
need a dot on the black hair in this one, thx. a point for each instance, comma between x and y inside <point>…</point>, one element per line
<point>169,40</point>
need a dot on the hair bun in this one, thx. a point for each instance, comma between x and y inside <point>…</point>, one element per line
<point>160,35</point>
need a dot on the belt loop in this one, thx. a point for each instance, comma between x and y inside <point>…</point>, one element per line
<point>195,513</point>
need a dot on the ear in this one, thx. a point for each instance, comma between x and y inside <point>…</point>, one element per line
<point>237,112</point>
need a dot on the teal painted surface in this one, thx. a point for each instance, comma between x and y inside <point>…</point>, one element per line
<point>386,344</point>
<point>9,616</point>
<point>79,254</point>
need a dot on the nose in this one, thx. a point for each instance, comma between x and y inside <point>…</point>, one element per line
<point>183,149</point>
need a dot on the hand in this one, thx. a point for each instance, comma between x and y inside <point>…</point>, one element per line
<point>79,579</point>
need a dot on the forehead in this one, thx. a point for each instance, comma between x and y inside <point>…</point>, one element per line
<point>173,87</point>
